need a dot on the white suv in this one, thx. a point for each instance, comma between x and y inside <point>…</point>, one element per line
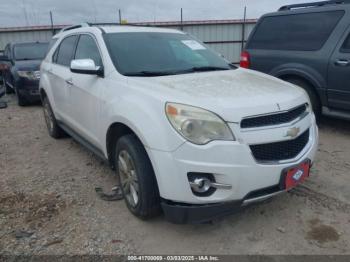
<point>187,132</point>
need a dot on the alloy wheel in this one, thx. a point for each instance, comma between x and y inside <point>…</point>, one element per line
<point>128,178</point>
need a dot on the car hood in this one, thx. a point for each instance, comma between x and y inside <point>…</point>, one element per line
<point>28,65</point>
<point>232,94</point>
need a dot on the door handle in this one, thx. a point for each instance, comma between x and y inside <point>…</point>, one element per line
<point>69,82</point>
<point>341,62</point>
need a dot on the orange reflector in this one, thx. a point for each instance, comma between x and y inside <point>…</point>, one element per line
<point>171,110</point>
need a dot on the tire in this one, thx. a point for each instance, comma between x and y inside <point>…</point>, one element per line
<point>130,153</point>
<point>21,100</point>
<point>315,100</point>
<point>53,128</point>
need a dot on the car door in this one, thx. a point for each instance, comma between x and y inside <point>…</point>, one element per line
<point>85,91</point>
<point>339,75</point>
<point>60,77</point>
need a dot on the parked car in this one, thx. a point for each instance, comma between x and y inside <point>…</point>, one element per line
<point>307,45</point>
<point>185,130</point>
<point>23,73</point>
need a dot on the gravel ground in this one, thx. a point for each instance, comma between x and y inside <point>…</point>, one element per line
<point>48,204</point>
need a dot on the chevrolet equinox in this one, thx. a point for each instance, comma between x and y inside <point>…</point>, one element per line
<point>187,132</point>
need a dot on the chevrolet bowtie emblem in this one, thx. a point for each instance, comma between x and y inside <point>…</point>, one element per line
<point>293,132</point>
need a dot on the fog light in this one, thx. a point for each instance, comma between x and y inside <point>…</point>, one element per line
<point>200,185</point>
<point>204,184</point>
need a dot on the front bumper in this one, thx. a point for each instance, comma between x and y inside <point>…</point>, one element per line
<point>231,163</point>
<point>178,213</point>
<point>28,88</point>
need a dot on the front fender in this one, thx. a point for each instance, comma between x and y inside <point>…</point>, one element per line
<point>44,84</point>
<point>146,117</point>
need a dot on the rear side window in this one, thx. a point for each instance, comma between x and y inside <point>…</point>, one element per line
<point>298,32</point>
<point>346,46</point>
<point>65,51</point>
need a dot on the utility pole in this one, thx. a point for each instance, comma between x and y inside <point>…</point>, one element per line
<point>243,27</point>
<point>120,17</point>
<point>182,27</point>
<point>51,19</point>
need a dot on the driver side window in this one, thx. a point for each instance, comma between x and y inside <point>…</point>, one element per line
<point>87,49</point>
<point>64,53</point>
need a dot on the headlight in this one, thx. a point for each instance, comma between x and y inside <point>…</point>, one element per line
<point>32,75</point>
<point>197,125</point>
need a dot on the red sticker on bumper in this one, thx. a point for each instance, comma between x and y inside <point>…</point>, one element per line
<point>297,175</point>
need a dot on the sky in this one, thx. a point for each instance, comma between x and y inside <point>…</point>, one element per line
<point>36,12</point>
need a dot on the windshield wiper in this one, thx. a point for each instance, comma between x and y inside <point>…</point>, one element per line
<point>206,68</point>
<point>176,72</point>
<point>150,73</point>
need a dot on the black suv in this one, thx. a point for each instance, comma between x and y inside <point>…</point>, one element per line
<point>23,72</point>
<point>307,45</point>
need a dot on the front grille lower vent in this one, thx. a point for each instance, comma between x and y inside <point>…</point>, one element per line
<point>281,150</point>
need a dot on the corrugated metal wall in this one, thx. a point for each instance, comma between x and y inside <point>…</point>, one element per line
<point>226,39</point>
<point>223,37</point>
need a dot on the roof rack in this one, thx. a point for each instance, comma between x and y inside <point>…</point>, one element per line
<point>314,4</point>
<point>87,24</point>
<point>74,27</point>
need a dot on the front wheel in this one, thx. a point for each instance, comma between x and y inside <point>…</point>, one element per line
<point>137,179</point>
<point>21,100</point>
<point>54,129</point>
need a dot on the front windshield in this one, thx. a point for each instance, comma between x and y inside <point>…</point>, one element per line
<point>152,54</point>
<point>35,51</point>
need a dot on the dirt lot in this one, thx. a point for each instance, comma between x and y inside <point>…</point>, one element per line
<point>48,204</point>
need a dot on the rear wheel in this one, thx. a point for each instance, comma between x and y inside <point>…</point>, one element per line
<point>54,129</point>
<point>315,100</point>
<point>137,179</point>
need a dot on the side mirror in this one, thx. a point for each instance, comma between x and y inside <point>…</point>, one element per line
<point>86,66</point>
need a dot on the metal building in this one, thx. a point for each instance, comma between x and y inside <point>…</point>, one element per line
<point>224,36</point>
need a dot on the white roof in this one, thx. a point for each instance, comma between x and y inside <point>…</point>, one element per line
<point>125,28</point>
<point>117,29</point>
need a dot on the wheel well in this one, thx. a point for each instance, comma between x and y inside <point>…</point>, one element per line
<point>115,131</point>
<point>303,79</point>
<point>42,93</point>
<point>286,77</point>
